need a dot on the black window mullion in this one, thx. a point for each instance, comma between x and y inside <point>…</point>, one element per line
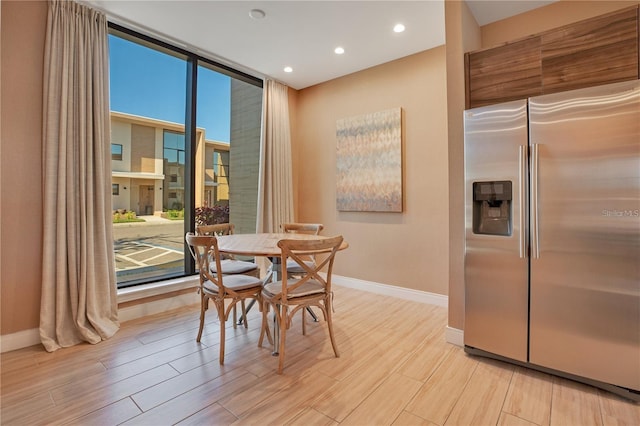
<point>190,154</point>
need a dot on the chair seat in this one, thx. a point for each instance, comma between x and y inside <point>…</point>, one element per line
<point>234,282</point>
<point>294,268</point>
<point>232,266</point>
<point>307,289</point>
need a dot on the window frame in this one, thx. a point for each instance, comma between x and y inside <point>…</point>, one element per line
<point>118,156</point>
<point>193,60</point>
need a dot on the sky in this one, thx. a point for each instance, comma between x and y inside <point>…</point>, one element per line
<point>152,84</point>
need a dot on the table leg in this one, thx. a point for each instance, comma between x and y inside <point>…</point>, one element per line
<point>266,279</point>
<point>313,314</point>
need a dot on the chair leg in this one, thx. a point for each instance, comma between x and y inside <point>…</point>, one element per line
<point>304,322</point>
<point>221,317</point>
<point>282,320</point>
<point>327,305</point>
<point>204,301</point>
<point>235,316</point>
<point>267,329</point>
<point>264,328</point>
<point>244,315</point>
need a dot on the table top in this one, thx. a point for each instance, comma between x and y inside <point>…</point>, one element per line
<point>261,244</point>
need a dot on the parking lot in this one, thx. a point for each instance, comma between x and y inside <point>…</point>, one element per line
<point>144,247</point>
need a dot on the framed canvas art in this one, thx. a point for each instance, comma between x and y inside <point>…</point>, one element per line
<point>369,162</point>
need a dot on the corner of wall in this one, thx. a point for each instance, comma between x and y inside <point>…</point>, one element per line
<point>462,33</point>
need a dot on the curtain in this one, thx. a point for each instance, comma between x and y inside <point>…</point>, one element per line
<point>78,301</point>
<point>275,195</point>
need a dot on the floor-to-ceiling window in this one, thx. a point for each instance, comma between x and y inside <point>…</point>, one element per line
<point>229,117</point>
<point>169,167</point>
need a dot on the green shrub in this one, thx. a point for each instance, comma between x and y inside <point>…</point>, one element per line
<point>124,216</point>
<point>175,214</point>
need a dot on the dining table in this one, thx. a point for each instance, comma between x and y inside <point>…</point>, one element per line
<point>262,244</point>
<point>265,245</point>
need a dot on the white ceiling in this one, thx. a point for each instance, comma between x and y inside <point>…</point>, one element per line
<point>301,34</point>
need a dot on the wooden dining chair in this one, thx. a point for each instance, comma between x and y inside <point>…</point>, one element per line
<point>300,291</point>
<point>230,265</point>
<point>301,228</point>
<point>221,289</point>
<point>293,267</point>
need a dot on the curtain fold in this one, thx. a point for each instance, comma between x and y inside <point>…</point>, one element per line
<point>275,195</point>
<point>79,299</point>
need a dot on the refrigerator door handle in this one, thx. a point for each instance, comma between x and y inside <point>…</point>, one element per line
<point>535,243</point>
<point>522,171</point>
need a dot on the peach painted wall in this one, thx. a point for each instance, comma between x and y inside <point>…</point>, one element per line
<point>23,28</point>
<point>408,249</point>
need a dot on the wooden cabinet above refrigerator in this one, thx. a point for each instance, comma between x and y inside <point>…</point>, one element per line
<point>588,53</point>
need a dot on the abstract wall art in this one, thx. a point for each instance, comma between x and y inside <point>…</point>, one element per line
<point>369,162</point>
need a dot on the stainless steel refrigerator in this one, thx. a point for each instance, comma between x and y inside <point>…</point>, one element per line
<point>552,256</point>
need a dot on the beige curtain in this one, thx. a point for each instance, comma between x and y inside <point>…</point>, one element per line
<point>275,195</point>
<point>78,283</point>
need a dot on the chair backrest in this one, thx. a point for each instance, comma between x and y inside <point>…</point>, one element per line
<point>204,249</point>
<point>218,229</point>
<point>302,228</point>
<point>297,250</point>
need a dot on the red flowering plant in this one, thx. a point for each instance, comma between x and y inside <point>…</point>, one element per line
<point>207,215</point>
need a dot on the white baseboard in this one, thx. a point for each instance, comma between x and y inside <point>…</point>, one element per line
<point>31,337</point>
<point>19,340</point>
<point>393,291</point>
<point>26,338</point>
<point>454,336</point>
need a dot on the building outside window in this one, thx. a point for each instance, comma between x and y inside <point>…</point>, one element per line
<point>174,170</point>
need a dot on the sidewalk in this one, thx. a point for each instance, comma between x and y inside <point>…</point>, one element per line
<point>148,220</point>
<point>156,219</point>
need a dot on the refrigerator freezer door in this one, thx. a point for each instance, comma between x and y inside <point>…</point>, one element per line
<point>496,274</point>
<point>585,266</point>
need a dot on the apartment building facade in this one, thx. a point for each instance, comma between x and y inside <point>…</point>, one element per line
<point>148,166</point>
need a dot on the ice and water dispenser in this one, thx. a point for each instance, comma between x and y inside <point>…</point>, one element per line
<point>492,208</point>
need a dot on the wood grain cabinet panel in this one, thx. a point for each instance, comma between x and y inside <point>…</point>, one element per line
<point>506,73</point>
<point>588,53</point>
<point>592,52</point>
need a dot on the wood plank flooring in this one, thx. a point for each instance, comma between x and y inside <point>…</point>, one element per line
<point>395,368</point>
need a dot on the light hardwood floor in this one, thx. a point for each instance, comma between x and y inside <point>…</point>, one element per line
<point>395,369</point>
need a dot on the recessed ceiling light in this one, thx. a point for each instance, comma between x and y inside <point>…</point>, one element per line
<point>288,69</point>
<point>339,50</point>
<point>257,13</point>
<point>398,28</point>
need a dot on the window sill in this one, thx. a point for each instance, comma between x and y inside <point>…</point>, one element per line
<point>156,289</point>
